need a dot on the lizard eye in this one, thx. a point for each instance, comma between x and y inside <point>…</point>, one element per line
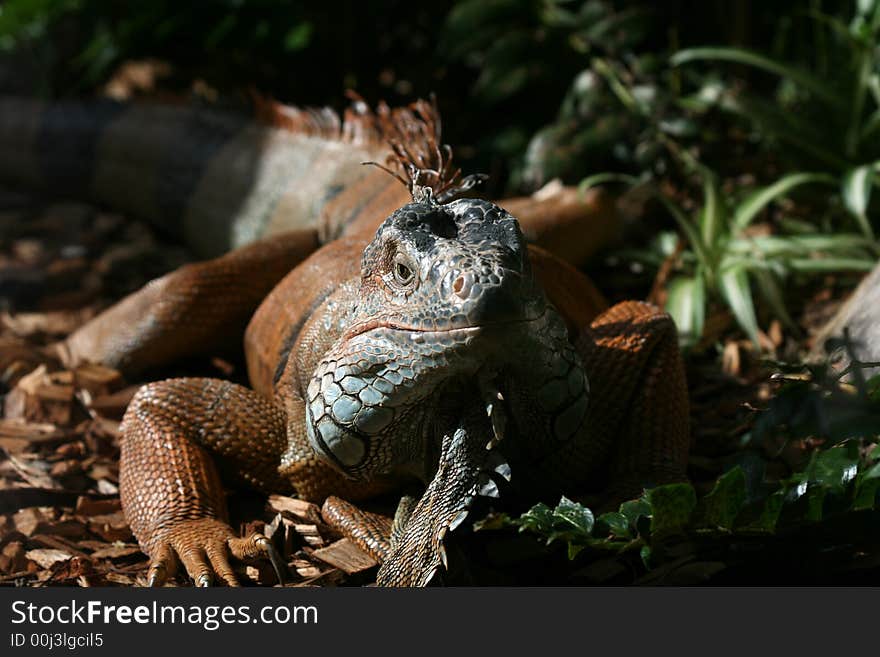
<point>403,270</point>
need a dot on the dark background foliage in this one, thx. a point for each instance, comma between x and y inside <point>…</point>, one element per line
<point>500,68</point>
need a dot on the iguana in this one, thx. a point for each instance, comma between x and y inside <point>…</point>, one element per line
<point>440,349</point>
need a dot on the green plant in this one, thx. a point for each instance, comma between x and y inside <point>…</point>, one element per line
<point>725,256</point>
<point>836,481</point>
<point>828,116</point>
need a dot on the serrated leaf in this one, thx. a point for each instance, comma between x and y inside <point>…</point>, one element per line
<point>614,523</point>
<point>835,468</point>
<point>726,499</point>
<point>632,510</point>
<point>770,512</point>
<point>754,468</point>
<point>574,549</point>
<point>494,521</point>
<point>671,508</point>
<point>575,516</point>
<point>538,519</point>
<point>815,503</point>
<point>865,496</point>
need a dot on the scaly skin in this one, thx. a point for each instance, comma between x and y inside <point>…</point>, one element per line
<point>384,376</point>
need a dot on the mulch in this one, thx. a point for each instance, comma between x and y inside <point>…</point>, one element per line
<point>60,516</point>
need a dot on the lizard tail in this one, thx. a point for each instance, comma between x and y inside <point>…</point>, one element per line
<point>214,179</point>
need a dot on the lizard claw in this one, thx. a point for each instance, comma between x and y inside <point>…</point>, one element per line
<point>258,546</point>
<point>155,577</point>
<point>274,557</point>
<point>162,564</point>
<point>204,547</point>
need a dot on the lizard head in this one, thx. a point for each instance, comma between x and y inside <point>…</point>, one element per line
<point>444,289</point>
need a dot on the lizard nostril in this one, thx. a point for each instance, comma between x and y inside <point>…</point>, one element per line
<point>457,285</point>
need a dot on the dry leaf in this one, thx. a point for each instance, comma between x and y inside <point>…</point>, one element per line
<point>46,557</point>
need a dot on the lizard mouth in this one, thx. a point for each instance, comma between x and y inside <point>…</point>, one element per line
<point>421,333</point>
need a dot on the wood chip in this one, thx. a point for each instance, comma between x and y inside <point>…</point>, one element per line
<point>66,528</point>
<point>65,468</point>
<point>252,573</point>
<point>299,509</point>
<point>119,578</point>
<point>309,571</point>
<point>12,557</point>
<point>113,405</point>
<point>72,569</point>
<point>98,380</point>
<point>39,397</point>
<point>86,506</point>
<point>57,323</point>
<point>35,432</point>
<point>27,520</point>
<point>310,534</point>
<point>730,359</point>
<point>13,499</point>
<point>111,527</point>
<point>326,578</point>
<point>106,487</point>
<point>347,556</point>
<point>32,471</point>
<point>57,543</point>
<point>116,551</point>
<point>33,381</point>
<point>46,557</point>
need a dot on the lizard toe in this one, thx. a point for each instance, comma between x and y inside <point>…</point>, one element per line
<point>204,547</point>
<point>195,561</point>
<point>257,546</point>
<point>163,565</point>
<point>218,555</point>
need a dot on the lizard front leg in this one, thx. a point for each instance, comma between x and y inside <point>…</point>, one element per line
<point>170,486</point>
<point>194,309</point>
<point>411,548</point>
<point>639,397</point>
<point>179,435</point>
